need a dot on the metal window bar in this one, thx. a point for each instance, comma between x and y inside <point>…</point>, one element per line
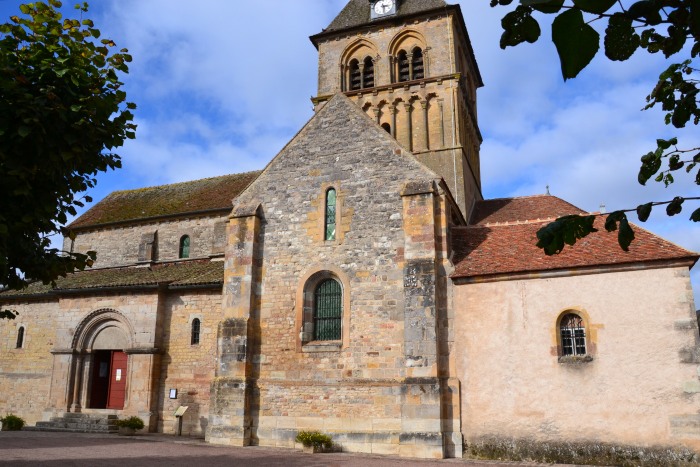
<point>573,335</point>
<point>328,310</point>
<point>195,331</point>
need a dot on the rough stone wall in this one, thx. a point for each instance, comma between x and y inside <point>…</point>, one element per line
<point>118,246</point>
<point>43,375</point>
<point>25,374</point>
<point>641,387</point>
<point>435,117</point>
<point>436,30</point>
<point>186,367</point>
<point>329,383</point>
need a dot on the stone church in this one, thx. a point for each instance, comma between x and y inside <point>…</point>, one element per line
<point>360,285</point>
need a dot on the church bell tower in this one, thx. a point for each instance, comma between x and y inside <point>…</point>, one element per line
<point>410,66</point>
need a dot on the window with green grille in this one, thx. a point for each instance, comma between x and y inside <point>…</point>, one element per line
<point>330,214</point>
<point>328,311</point>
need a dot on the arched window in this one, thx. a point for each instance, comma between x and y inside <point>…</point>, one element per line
<point>355,76</point>
<point>330,214</point>
<point>417,64</point>
<point>185,246</point>
<point>572,330</point>
<point>368,72</point>
<point>20,337</point>
<point>404,68</point>
<point>386,127</point>
<point>328,311</point>
<point>196,324</point>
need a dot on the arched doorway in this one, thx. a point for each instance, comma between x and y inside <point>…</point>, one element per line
<point>100,363</point>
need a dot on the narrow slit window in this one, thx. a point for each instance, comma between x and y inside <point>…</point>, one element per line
<point>185,246</point>
<point>418,64</point>
<point>573,335</point>
<point>196,325</point>
<point>330,214</point>
<point>328,311</point>
<point>20,337</point>
<point>368,80</point>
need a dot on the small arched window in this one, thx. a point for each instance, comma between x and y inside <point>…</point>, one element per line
<point>368,73</point>
<point>328,311</point>
<point>572,330</point>
<point>196,325</point>
<point>386,127</point>
<point>417,64</point>
<point>355,76</point>
<point>331,202</point>
<point>20,337</point>
<point>185,246</point>
<point>404,68</point>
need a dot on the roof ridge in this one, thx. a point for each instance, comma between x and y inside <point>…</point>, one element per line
<point>153,187</point>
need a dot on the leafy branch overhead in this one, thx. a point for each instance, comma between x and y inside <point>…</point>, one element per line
<point>62,115</point>
<point>669,27</point>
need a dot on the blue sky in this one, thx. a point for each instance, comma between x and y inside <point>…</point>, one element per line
<point>222,85</point>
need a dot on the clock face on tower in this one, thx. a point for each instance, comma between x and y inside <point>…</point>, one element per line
<point>383,8</point>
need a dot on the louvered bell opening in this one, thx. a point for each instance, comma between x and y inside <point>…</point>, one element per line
<point>418,68</point>
<point>328,299</point>
<point>369,73</point>
<point>355,76</point>
<point>404,68</point>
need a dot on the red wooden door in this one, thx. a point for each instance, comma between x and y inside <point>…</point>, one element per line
<point>117,381</point>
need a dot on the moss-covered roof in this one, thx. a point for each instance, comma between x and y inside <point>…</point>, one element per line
<point>357,12</point>
<point>174,275</point>
<point>167,200</point>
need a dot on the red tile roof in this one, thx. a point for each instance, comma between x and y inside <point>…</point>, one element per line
<point>490,249</point>
<point>167,200</point>
<point>525,208</point>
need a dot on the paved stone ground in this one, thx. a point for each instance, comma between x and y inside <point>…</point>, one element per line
<point>28,448</point>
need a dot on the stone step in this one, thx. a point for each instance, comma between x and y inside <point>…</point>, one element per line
<point>80,423</point>
<point>67,430</point>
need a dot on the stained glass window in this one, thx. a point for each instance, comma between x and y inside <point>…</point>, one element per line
<point>330,214</point>
<point>185,246</point>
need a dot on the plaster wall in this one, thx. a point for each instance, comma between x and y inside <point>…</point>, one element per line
<point>640,388</point>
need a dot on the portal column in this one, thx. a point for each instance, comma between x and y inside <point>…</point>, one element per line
<point>392,109</point>
<point>77,382</point>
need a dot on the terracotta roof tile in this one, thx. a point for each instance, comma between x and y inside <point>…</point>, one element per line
<point>185,273</point>
<point>166,200</point>
<point>357,13</point>
<point>510,248</point>
<point>526,208</point>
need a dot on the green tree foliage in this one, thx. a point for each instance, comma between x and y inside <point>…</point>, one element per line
<point>62,114</point>
<point>669,27</point>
